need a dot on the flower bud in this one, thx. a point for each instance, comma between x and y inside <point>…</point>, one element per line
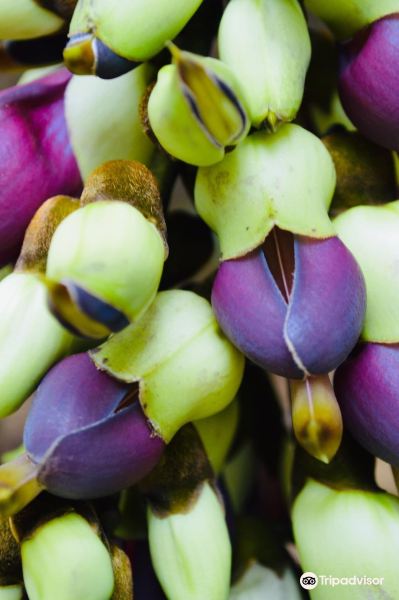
<point>195,109</point>
<point>316,417</point>
<point>188,536</point>
<point>286,179</point>
<point>25,19</point>
<point>367,83</point>
<point>177,334</point>
<point>65,558</point>
<point>31,338</point>
<point>86,434</point>
<point>262,583</point>
<point>108,37</point>
<point>37,163</point>
<point>271,68</point>
<point>368,549</point>
<point>11,592</point>
<point>370,233</point>
<point>346,17</point>
<point>367,390</point>
<point>105,260</point>
<point>280,304</point>
<point>110,129</point>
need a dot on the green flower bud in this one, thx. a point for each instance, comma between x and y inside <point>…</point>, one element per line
<point>11,592</point>
<point>195,109</point>
<point>239,474</point>
<point>371,233</point>
<point>178,334</point>
<point>262,583</point>
<point>26,19</point>
<point>64,559</point>
<point>347,533</point>
<point>346,17</point>
<point>285,180</point>
<point>270,66</point>
<point>187,531</point>
<point>128,29</point>
<point>101,131</point>
<point>31,338</point>
<point>217,434</point>
<point>105,260</point>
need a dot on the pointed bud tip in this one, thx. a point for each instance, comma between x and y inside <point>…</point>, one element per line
<point>79,55</point>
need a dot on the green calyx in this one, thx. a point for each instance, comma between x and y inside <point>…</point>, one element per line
<point>369,547</point>
<point>96,128</point>
<point>371,234</point>
<point>346,17</point>
<point>178,334</point>
<point>27,19</point>
<point>286,179</point>
<point>195,109</point>
<point>191,551</point>
<point>65,558</point>
<point>132,29</point>
<point>271,68</point>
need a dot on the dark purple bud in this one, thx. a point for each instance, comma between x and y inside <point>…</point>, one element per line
<point>294,306</point>
<point>369,81</point>
<point>367,389</point>
<point>87,432</point>
<point>36,157</point>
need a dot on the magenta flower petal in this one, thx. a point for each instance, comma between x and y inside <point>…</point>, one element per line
<point>369,81</point>
<point>36,158</point>
<point>88,433</point>
<point>251,311</point>
<point>327,303</point>
<point>367,389</point>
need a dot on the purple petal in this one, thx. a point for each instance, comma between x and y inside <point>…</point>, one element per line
<point>87,443</point>
<point>369,81</point>
<point>367,389</point>
<point>36,157</point>
<point>74,394</point>
<point>251,311</point>
<point>327,303</point>
<point>103,459</point>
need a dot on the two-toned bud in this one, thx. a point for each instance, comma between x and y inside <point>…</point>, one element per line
<point>267,46</point>
<point>26,19</point>
<point>63,550</point>
<point>105,260</point>
<point>91,433</point>
<point>368,83</point>
<point>88,134</point>
<point>108,38</point>
<point>366,384</point>
<point>31,339</point>
<point>285,279</point>
<point>188,535</point>
<point>367,551</point>
<point>195,109</point>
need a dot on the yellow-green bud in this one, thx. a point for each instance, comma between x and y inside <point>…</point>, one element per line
<point>267,45</point>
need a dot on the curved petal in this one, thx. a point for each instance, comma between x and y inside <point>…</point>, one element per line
<point>367,389</point>
<point>36,158</point>
<point>73,395</point>
<point>103,459</point>
<point>327,304</point>
<point>251,311</point>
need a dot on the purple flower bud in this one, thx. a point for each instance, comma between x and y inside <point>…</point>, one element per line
<point>294,306</point>
<point>367,389</point>
<point>87,432</point>
<point>36,156</point>
<point>369,81</point>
